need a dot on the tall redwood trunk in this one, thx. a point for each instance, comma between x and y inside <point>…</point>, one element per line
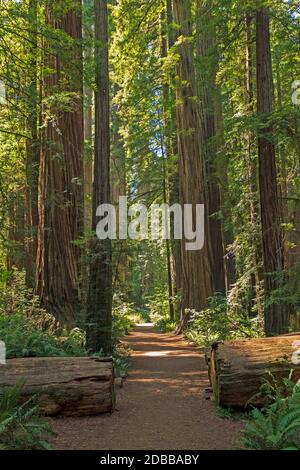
<point>119,188</point>
<point>207,58</point>
<point>172,153</point>
<point>32,148</point>
<point>88,126</point>
<point>276,316</point>
<point>254,237</point>
<point>99,301</point>
<point>197,276</point>
<point>61,178</point>
<point>167,155</point>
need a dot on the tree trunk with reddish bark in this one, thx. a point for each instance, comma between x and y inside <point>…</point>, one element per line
<point>238,369</point>
<point>207,59</point>
<point>276,315</point>
<point>197,279</point>
<point>61,173</point>
<point>99,301</point>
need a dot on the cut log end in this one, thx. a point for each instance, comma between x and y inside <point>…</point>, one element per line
<point>237,369</point>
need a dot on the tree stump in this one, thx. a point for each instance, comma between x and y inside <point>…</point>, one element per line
<point>65,386</point>
<point>238,368</point>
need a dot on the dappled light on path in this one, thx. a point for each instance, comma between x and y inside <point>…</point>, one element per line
<point>162,404</point>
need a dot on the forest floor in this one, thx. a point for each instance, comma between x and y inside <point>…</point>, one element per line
<point>161,406</point>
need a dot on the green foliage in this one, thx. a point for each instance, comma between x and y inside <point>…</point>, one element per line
<point>143,277</point>
<point>4,276</point>
<point>125,315</point>
<point>23,338</point>
<point>121,359</point>
<point>233,414</point>
<point>122,325</point>
<point>276,427</point>
<point>21,427</point>
<point>159,308</point>
<point>120,356</point>
<point>218,322</point>
<point>288,291</point>
<point>158,304</point>
<point>166,325</point>
<point>142,315</point>
<point>29,331</point>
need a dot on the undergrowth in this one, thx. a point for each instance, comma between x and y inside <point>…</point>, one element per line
<point>159,310</point>
<point>29,331</point>
<point>218,322</point>
<point>277,425</point>
<point>21,427</point>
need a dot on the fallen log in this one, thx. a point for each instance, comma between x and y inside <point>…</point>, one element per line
<point>65,386</point>
<point>238,368</point>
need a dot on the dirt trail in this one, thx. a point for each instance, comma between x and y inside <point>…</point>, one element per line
<point>162,404</point>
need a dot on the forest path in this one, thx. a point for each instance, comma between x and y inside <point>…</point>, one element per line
<point>161,406</point>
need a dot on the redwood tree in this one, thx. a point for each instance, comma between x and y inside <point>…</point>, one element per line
<point>99,301</point>
<point>197,277</point>
<point>61,172</point>
<point>32,146</point>
<point>207,58</point>
<point>276,316</point>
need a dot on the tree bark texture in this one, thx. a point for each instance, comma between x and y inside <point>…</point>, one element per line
<point>207,60</point>
<point>276,316</point>
<point>238,369</point>
<point>61,174</point>
<point>64,386</point>
<point>196,270</point>
<point>99,302</point>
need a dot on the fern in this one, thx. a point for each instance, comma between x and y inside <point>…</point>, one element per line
<point>276,427</point>
<point>21,427</point>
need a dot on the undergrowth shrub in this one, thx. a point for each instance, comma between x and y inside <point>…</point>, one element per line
<point>23,338</point>
<point>29,331</point>
<point>121,359</point>
<point>218,322</point>
<point>277,426</point>
<point>166,325</point>
<point>159,309</point>
<point>141,316</point>
<point>158,305</point>
<point>125,316</point>
<point>21,427</point>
